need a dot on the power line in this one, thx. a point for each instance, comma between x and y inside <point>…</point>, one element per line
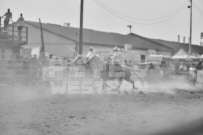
<point>130,20</point>
<point>139,20</point>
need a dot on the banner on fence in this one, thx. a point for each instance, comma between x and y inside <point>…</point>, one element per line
<point>70,80</point>
<point>62,72</point>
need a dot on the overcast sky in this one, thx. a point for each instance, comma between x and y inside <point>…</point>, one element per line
<point>160,19</point>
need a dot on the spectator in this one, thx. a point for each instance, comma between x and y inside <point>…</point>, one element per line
<point>151,66</point>
<point>50,56</point>
<point>58,62</point>
<point>199,65</point>
<point>8,17</point>
<point>182,67</point>
<point>163,64</point>
<point>192,73</point>
<point>20,25</point>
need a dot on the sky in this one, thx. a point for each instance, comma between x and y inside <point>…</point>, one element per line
<point>159,19</point>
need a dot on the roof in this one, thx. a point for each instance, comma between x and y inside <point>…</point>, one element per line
<point>71,33</point>
<point>93,37</point>
<point>150,44</point>
<point>177,46</point>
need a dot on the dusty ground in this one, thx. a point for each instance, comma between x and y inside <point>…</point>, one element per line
<point>35,111</point>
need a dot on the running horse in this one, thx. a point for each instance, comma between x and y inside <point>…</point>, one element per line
<point>109,70</point>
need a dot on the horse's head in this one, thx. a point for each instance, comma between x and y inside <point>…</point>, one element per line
<point>78,60</point>
<point>97,62</point>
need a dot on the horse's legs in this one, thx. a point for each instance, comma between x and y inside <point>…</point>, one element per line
<point>120,80</point>
<point>133,84</point>
<point>104,85</point>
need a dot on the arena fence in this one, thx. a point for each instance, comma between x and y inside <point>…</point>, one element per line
<point>22,71</point>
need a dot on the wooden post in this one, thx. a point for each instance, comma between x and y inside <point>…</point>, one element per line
<point>42,49</point>
<point>13,32</point>
<point>26,34</point>
<point>0,25</point>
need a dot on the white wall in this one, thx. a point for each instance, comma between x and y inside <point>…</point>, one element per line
<point>164,53</point>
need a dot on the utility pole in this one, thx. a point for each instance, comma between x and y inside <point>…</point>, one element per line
<point>81,27</point>
<point>190,42</point>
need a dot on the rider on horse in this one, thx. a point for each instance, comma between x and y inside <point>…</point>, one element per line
<point>116,52</point>
<point>112,68</point>
<point>90,54</point>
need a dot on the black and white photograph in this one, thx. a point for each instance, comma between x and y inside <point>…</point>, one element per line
<point>101,67</point>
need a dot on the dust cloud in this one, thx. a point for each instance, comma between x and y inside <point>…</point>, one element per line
<point>171,86</point>
<point>24,93</point>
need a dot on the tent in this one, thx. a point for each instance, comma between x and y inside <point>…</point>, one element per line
<point>182,54</point>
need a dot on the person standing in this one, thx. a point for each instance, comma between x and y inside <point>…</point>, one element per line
<point>8,17</point>
<point>193,74</point>
<point>199,65</point>
<point>20,25</point>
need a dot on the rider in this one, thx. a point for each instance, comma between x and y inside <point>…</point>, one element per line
<point>116,52</point>
<point>90,54</point>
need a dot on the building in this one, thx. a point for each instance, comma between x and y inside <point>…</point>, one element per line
<point>62,40</point>
<point>177,46</point>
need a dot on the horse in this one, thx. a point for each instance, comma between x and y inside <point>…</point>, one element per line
<point>111,71</point>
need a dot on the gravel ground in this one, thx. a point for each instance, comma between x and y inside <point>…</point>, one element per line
<point>35,111</point>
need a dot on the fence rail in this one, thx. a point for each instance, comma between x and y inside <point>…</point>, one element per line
<point>20,71</point>
<point>32,71</point>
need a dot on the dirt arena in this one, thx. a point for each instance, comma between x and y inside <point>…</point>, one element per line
<point>35,111</point>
